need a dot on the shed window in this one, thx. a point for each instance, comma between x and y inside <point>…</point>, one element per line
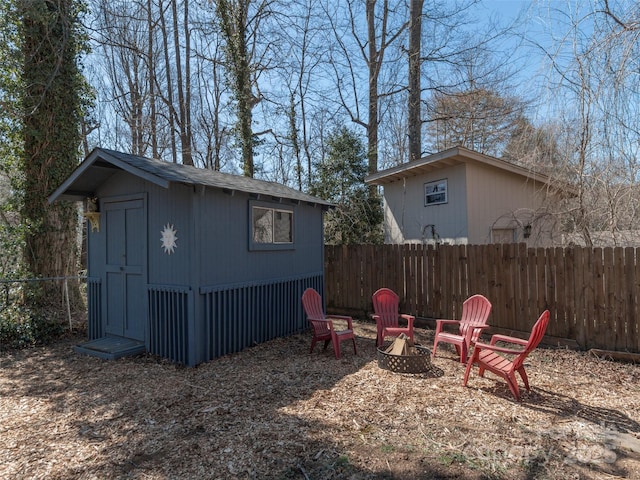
<point>272,226</point>
<point>435,192</point>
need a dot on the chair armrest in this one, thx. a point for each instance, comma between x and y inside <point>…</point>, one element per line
<point>471,330</point>
<point>440,323</point>
<point>494,348</point>
<point>409,319</point>
<point>506,338</point>
<point>317,320</point>
<point>346,318</point>
<point>447,322</point>
<point>340,317</point>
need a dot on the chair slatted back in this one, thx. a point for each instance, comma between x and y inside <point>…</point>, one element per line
<point>386,303</point>
<point>537,333</point>
<point>312,303</point>
<point>475,312</point>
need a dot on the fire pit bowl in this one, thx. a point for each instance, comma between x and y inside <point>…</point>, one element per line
<point>418,363</point>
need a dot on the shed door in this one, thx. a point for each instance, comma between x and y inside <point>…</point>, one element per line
<point>125,268</point>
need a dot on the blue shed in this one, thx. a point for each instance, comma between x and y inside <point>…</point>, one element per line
<point>191,264</point>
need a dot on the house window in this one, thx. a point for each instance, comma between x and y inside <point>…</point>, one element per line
<point>435,192</point>
<point>271,226</point>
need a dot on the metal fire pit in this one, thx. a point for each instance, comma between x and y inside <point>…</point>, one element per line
<point>405,363</point>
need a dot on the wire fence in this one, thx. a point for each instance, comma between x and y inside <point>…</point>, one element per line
<point>12,293</point>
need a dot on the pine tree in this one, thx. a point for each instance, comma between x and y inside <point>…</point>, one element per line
<point>357,218</point>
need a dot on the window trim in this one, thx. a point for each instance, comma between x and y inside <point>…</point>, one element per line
<point>436,183</point>
<point>273,208</point>
<point>500,231</point>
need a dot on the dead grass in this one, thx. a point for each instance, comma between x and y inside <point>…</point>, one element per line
<point>276,412</point>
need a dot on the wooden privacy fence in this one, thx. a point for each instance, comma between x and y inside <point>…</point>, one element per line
<point>592,293</point>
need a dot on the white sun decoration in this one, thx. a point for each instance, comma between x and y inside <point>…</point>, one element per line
<point>169,239</point>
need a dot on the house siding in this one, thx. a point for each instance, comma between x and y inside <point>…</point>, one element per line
<point>491,195</point>
<point>489,200</point>
<point>405,210</point>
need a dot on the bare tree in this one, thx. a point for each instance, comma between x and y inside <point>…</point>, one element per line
<point>594,68</point>
<point>183,79</point>
<point>479,119</point>
<point>236,25</point>
<point>146,52</point>
<point>212,131</point>
<point>385,25</point>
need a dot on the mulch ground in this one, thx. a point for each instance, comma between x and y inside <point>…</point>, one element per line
<point>275,411</point>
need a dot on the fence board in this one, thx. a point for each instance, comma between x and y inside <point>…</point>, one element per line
<point>618,266</point>
<point>578,290</point>
<point>445,280</point>
<point>532,284</point>
<point>434,300</point>
<point>421,301</point>
<point>590,285</point>
<point>494,283</point>
<point>607,329</point>
<point>635,340</point>
<point>413,297</point>
<point>630,298</point>
<point>559,301</point>
<point>595,325</point>
<point>509,269</point>
<point>456,294</point>
<point>556,323</point>
<point>540,300</point>
<point>483,274</point>
<point>593,293</point>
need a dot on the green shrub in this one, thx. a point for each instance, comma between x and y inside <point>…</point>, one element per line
<point>21,328</point>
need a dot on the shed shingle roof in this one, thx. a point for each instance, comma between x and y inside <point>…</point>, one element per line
<point>101,164</point>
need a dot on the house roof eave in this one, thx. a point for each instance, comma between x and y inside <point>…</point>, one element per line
<point>447,158</point>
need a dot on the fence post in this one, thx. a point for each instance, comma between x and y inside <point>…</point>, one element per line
<point>66,296</point>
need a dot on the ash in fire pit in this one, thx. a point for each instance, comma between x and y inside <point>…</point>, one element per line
<point>403,356</point>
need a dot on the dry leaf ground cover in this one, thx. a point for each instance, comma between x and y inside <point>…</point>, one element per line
<point>276,412</point>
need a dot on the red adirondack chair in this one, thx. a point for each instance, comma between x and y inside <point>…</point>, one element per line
<point>386,305</point>
<point>475,312</point>
<point>323,329</point>
<point>488,357</point>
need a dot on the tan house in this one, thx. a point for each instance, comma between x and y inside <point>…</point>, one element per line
<point>460,196</point>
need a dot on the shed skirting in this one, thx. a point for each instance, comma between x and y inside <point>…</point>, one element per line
<point>95,327</point>
<point>170,309</point>
<point>240,316</point>
<point>233,317</point>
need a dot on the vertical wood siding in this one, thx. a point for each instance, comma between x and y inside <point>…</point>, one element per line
<point>94,308</point>
<point>170,309</point>
<point>239,316</point>
<point>593,293</point>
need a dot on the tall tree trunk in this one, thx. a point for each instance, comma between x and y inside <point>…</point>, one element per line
<point>295,144</point>
<point>375,63</point>
<point>52,139</point>
<point>183,108</point>
<point>414,118</point>
<point>234,17</point>
<point>151,68</point>
<point>169,97</point>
